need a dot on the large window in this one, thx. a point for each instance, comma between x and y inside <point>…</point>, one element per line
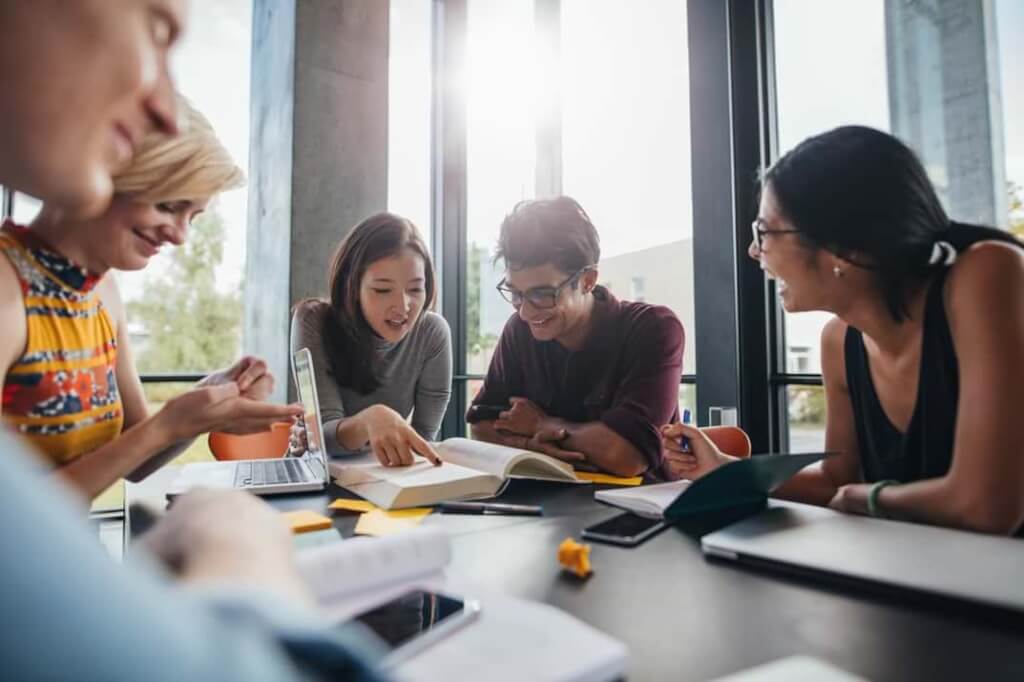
<point>185,308</point>
<point>410,77</point>
<point>501,97</point>
<point>626,146</point>
<point>549,110</point>
<point>944,77</point>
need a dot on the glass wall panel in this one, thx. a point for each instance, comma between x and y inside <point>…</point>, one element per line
<point>626,146</point>
<point>500,85</point>
<point>410,78</point>
<point>947,78</point>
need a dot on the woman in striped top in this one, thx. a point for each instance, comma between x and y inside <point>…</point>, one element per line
<point>70,384</point>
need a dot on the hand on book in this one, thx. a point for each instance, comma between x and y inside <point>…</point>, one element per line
<point>698,457</point>
<point>392,439</point>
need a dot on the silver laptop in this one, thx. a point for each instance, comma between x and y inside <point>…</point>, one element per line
<point>983,569</point>
<point>286,474</point>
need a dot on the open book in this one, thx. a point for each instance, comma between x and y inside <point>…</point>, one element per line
<point>472,469</point>
<point>347,576</point>
<point>744,482</point>
<point>358,574</point>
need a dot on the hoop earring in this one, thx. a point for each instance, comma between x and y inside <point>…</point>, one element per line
<point>837,271</point>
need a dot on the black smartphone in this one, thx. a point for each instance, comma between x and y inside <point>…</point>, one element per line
<point>481,413</point>
<point>625,529</point>
<point>417,619</point>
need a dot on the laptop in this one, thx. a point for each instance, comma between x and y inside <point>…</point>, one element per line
<point>972,567</point>
<point>288,474</point>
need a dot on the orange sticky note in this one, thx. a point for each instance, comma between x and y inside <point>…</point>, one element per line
<point>303,521</point>
<point>594,477</point>
<point>360,506</point>
<point>575,558</point>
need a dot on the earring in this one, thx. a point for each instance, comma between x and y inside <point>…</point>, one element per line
<point>837,271</point>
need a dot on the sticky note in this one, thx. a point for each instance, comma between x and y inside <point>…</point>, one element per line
<point>352,505</point>
<point>303,521</point>
<point>379,522</point>
<point>594,477</point>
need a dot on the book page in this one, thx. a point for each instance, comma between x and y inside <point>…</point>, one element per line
<point>341,569</point>
<point>645,500</point>
<point>475,454</point>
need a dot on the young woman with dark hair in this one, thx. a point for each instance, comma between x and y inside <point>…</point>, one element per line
<point>379,353</point>
<point>923,364</point>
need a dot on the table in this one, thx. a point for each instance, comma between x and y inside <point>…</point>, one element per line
<point>686,618</point>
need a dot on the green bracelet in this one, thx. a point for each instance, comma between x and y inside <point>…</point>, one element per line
<point>876,488</point>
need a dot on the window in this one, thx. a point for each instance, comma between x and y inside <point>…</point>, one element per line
<point>26,208</point>
<point>184,309</point>
<point>944,77</point>
<point>409,111</point>
<point>551,110</point>
<point>500,85</point>
<point>626,146</point>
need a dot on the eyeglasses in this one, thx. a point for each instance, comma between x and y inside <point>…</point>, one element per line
<point>758,231</point>
<point>539,297</point>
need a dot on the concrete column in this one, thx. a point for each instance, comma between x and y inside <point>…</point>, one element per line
<point>945,101</point>
<point>318,156</point>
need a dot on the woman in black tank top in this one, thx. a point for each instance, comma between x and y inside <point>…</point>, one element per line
<point>923,364</point>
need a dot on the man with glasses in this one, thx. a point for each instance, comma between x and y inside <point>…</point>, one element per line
<point>577,374</point>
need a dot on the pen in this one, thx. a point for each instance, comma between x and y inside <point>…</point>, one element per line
<point>484,508</point>
<point>683,440</point>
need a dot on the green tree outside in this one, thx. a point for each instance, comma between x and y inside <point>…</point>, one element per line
<point>190,325</point>
<point>1016,210</point>
<point>476,343</point>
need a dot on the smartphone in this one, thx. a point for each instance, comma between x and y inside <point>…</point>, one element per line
<point>625,529</point>
<point>417,619</point>
<point>480,413</point>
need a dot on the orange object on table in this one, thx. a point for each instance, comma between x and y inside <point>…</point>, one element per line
<point>263,445</point>
<point>575,557</point>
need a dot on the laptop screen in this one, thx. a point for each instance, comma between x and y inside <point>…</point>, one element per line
<point>306,385</point>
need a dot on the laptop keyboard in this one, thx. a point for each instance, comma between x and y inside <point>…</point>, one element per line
<point>274,472</point>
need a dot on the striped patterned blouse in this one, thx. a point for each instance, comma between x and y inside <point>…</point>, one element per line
<point>61,394</point>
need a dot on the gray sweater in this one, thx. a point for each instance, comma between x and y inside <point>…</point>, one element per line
<point>415,374</point>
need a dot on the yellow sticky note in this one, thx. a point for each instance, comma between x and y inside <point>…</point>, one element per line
<point>352,505</point>
<point>606,478</point>
<point>303,521</point>
<point>379,522</point>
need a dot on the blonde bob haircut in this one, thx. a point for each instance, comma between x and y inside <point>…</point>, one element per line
<point>191,165</point>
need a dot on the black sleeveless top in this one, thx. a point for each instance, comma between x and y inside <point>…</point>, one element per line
<point>926,449</point>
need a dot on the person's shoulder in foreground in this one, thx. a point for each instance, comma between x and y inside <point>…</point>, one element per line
<point>127,622</point>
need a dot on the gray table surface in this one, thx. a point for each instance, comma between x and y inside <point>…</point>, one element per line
<point>686,618</point>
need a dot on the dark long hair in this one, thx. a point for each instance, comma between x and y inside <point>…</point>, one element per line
<point>864,195</point>
<point>348,338</point>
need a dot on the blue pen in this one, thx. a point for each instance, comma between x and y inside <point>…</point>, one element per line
<point>683,440</point>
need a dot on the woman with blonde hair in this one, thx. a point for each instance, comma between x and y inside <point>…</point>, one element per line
<point>70,383</point>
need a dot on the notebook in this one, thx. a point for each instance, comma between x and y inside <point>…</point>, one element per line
<point>471,470</point>
<point>744,482</point>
